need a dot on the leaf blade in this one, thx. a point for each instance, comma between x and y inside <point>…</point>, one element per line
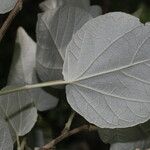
<point>54,32</point>
<point>98,72</point>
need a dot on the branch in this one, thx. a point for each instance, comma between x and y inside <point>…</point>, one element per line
<point>10,18</point>
<point>65,135</point>
<point>32,86</point>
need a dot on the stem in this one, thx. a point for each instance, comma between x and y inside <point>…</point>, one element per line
<point>23,143</point>
<point>32,86</point>
<point>69,122</point>
<point>18,143</point>
<point>51,144</point>
<point>10,18</point>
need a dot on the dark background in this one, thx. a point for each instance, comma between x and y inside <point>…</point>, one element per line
<point>55,119</point>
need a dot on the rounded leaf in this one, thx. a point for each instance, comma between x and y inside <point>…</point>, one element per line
<point>107,65</point>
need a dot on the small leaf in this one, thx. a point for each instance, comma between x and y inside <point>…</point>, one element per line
<point>54,32</point>
<point>108,64</point>
<point>6,5</point>
<point>141,144</point>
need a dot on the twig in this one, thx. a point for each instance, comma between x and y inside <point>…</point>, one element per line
<point>10,18</point>
<point>52,144</point>
<point>69,122</point>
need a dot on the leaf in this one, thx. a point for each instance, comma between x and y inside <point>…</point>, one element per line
<point>95,10</point>
<point>23,63</point>
<point>107,68</point>
<point>23,71</point>
<point>7,5</point>
<point>6,142</point>
<point>51,5</point>
<point>122,135</point>
<point>19,111</point>
<point>55,4</point>
<point>141,144</point>
<point>54,32</point>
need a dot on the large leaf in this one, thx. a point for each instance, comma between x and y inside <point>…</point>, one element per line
<point>107,68</point>
<point>6,142</point>
<point>54,32</point>
<point>6,5</point>
<point>23,71</point>
<point>141,144</point>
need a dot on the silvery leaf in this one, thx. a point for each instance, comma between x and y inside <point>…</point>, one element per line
<point>135,145</point>
<point>6,5</point>
<point>107,67</point>
<point>23,71</point>
<point>54,32</point>
<point>19,111</point>
<point>23,63</point>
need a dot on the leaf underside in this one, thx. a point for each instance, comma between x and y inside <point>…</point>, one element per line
<point>108,64</point>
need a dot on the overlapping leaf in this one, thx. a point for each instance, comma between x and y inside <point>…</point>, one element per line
<point>54,32</point>
<point>6,5</point>
<point>19,111</point>
<point>107,68</point>
<point>23,71</point>
<point>141,144</point>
